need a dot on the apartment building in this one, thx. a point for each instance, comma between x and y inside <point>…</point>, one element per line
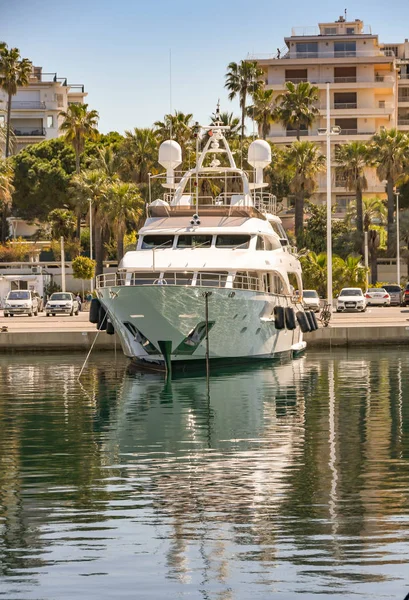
<point>369,89</point>
<point>35,108</point>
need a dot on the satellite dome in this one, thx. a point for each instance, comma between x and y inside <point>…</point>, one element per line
<point>259,155</point>
<point>170,154</point>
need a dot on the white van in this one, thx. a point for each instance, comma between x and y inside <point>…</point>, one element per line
<point>21,302</point>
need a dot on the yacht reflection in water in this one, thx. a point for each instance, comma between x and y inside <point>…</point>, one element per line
<point>287,479</point>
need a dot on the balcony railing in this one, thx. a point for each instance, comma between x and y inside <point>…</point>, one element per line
<point>404,76</point>
<point>403,121</point>
<point>39,76</point>
<point>25,105</point>
<point>351,79</point>
<point>345,105</point>
<point>76,88</point>
<point>297,79</point>
<point>293,132</point>
<point>29,131</point>
<point>403,98</point>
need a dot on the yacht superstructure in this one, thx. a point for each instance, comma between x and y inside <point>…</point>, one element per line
<point>213,273</point>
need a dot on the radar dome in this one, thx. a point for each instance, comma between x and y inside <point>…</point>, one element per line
<point>170,154</point>
<point>259,155</point>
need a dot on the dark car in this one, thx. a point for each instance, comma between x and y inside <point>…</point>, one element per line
<point>395,292</point>
<point>405,300</point>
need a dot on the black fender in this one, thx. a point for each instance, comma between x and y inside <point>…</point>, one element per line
<point>290,321</point>
<point>102,318</point>
<point>303,321</point>
<point>110,328</point>
<point>94,310</point>
<point>279,317</point>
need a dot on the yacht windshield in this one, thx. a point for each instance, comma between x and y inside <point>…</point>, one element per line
<point>193,241</point>
<point>233,241</point>
<point>154,241</point>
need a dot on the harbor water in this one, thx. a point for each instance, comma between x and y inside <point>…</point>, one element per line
<point>282,481</point>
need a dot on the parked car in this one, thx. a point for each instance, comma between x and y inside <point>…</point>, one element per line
<point>377,297</point>
<point>62,303</point>
<point>311,300</point>
<point>406,295</point>
<point>395,292</point>
<point>21,302</point>
<point>351,299</point>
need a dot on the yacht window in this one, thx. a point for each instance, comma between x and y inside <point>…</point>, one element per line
<point>194,241</point>
<point>212,279</point>
<point>260,243</point>
<point>182,278</point>
<point>144,278</point>
<point>154,241</point>
<point>246,280</point>
<point>232,241</point>
<point>272,243</point>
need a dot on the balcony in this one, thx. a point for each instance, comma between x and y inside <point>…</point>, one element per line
<point>340,105</point>
<point>29,105</point>
<point>351,79</point>
<point>29,132</point>
<point>296,79</point>
<point>403,122</point>
<point>293,133</point>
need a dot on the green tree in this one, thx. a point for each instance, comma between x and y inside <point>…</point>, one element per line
<point>42,174</point>
<point>62,223</point>
<point>122,205</point>
<point>390,151</point>
<point>139,154</point>
<point>14,72</point>
<point>176,127</point>
<point>315,232</point>
<point>83,268</point>
<point>243,79</point>
<point>92,185</point>
<point>305,161</point>
<point>262,111</point>
<point>6,194</point>
<point>345,273</point>
<point>79,124</point>
<point>352,159</point>
<point>296,106</point>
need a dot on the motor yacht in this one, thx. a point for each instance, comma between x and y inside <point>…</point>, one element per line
<point>213,274</point>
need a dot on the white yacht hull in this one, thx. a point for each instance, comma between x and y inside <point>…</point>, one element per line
<point>241,323</point>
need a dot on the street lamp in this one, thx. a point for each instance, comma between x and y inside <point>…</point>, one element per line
<point>397,193</point>
<point>328,131</point>
<point>90,241</point>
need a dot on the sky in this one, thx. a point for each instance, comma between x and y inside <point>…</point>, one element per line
<point>125,50</point>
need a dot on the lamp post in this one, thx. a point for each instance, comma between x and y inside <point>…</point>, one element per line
<point>397,193</point>
<point>328,131</point>
<point>90,241</point>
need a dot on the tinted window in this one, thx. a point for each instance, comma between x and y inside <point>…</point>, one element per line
<point>351,293</point>
<point>154,241</point>
<point>194,241</point>
<point>392,288</point>
<point>375,290</point>
<point>310,294</point>
<point>19,295</point>
<point>61,296</point>
<point>232,241</point>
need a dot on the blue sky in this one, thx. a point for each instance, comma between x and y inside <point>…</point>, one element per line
<point>120,48</point>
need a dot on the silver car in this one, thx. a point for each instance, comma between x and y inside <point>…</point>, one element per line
<point>395,292</point>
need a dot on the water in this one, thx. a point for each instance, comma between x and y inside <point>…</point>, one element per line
<point>285,481</point>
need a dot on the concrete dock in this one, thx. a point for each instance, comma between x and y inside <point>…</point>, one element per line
<point>379,326</point>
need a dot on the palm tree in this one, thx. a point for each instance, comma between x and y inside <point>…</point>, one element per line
<point>374,212</point>
<point>390,150</point>
<point>6,192</point>
<point>90,188</point>
<point>242,79</point>
<point>352,158</point>
<point>262,111</point>
<point>139,154</point>
<point>14,72</point>
<point>123,204</point>
<point>62,223</point>
<point>79,124</point>
<point>305,161</point>
<point>176,127</point>
<point>404,234</point>
<point>296,106</point>
<point>227,119</point>
<point>354,274</point>
<point>108,161</point>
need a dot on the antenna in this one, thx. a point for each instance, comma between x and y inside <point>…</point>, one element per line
<point>345,13</point>
<point>170,92</point>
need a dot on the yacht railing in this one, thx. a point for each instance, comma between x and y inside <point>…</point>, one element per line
<point>196,279</point>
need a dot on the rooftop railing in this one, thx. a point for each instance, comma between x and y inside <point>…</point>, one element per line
<point>321,54</point>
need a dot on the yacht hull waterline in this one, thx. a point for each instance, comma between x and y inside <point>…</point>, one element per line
<point>241,324</point>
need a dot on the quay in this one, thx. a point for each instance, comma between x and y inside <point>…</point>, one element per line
<point>379,326</point>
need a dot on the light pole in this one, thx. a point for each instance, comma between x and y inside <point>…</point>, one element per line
<point>328,131</point>
<point>90,241</point>
<point>397,192</point>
